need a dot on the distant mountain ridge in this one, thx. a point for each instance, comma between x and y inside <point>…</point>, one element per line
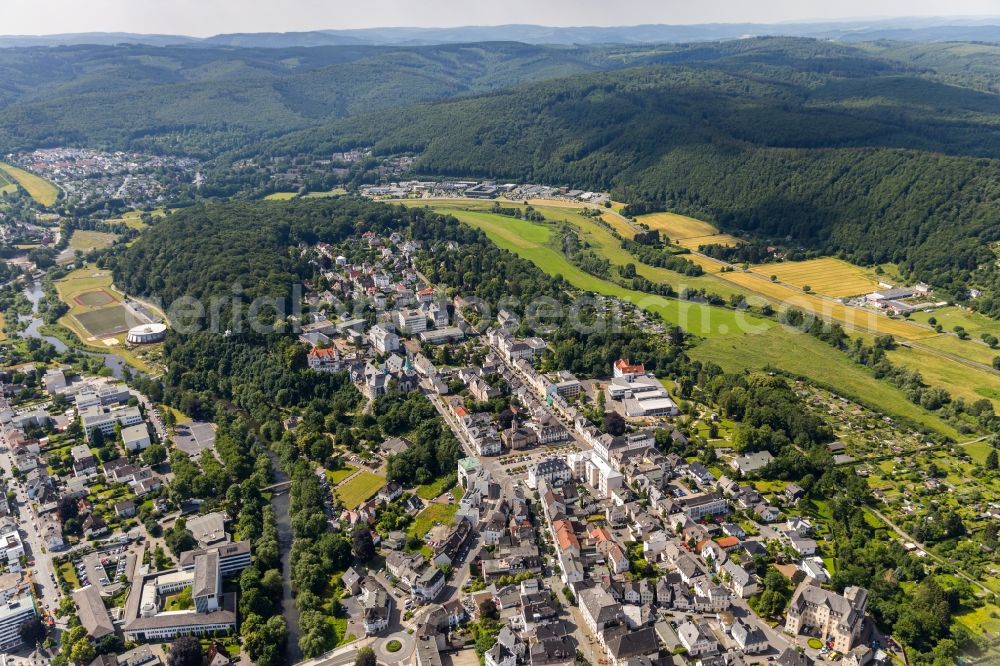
<point>983,29</point>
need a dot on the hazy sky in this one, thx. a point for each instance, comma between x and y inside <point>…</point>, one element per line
<point>208,17</point>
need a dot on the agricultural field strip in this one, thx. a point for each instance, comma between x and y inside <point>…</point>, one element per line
<point>41,190</point>
<point>524,235</point>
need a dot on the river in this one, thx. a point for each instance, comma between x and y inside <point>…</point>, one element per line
<point>282,509</point>
<point>33,292</point>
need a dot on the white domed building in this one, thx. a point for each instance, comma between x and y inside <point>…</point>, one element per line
<point>146,334</point>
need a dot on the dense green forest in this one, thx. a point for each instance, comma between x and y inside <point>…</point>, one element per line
<point>202,101</point>
<point>208,99</point>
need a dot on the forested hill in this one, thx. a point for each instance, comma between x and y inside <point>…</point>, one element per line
<point>205,100</point>
<point>883,166</point>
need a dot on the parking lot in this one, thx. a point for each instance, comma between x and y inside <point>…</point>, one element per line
<point>102,569</point>
<point>195,437</point>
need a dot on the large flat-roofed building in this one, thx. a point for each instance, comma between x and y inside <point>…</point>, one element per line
<point>596,471</point>
<point>208,529</point>
<point>136,437</point>
<point>703,504</point>
<point>99,417</point>
<point>410,321</point>
<point>214,612</point>
<point>233,558</point>
<point>13,614</point>
<point>92,612</point>
<point>642,396</point>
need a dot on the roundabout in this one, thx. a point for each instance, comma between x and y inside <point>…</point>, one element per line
<point>394,647</point>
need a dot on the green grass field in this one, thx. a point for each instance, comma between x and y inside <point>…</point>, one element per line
<point>281,196</point>
<point>801,354</point>
<point>978,451</point>
<point>530,240</point>
<point>953,315</point>
<point>7,183</point>
<point>133,218</point>
<point>107,321</point>
<point>961,380</point>
<point>85,241</point>
<point>432,515</point>
<point>335,192</point>
<point>433,490</point>
<point>40,189</point>
<point>360,489</point>
<point>337,476</point>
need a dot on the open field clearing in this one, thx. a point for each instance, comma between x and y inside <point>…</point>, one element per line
<point>335,192</point>
<point>962,381</point>
<point>281,196</point>
<point>849,317</point>
<point>85,241</point>
<point>827,276</point>
<point>359,489</point>
<point>605,244</point>
<point>133,218</point>
<point>695,242</point>
<point>953,315</point>
<point>972,349</point>
<point>619,224</point>
<point>433,514</point>
<point>7,183</point>
<point>677,227</point>
<point>801,354</point>
<point>40,189</point>
<point>529,241</point>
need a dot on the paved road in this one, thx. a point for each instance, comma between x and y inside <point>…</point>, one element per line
<point>42,572</point>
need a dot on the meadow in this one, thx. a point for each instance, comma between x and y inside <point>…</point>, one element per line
<point>432,515</point>
<point>530,241</point>
<point>40,189</point>
<point>281,196</point>
<point>953,315</point>
<point>359,489</point>
<point>133,218</point>
<point>827,276</point>
<point>805,356</point>
<point>85,240</point>
<point>7,183</point>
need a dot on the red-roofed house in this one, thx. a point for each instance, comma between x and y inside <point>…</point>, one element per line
<point>624,368</point>
<point>323,359</point>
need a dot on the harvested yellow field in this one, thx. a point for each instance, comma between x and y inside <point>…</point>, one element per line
<point>851,318</point>
<point>677,227</point>
<point>619,224</point>
<point>827,276</point>
<point>695,242</point>
<point>40,189</point>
